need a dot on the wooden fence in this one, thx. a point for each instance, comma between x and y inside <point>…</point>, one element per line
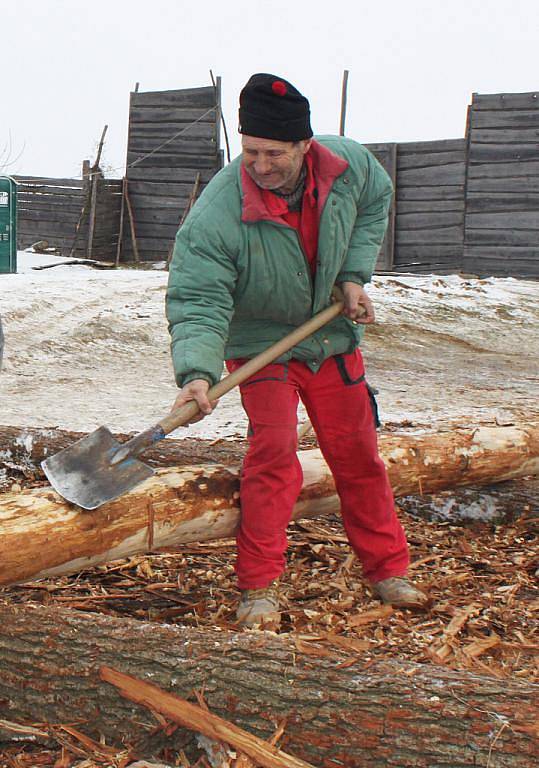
<point>502,191</point>
<point>173,138</point>
<point>472,204</point>
<point>76,216</point>
<point>468,205</point>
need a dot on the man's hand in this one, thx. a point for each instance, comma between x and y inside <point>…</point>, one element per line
<point>197,389</point>
<point>357,305</point>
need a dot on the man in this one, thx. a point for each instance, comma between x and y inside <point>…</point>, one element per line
<point>258,255</point>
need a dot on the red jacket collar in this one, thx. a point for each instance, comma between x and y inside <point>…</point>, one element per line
<point>257,206</point>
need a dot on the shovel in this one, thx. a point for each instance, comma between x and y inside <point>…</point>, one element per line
<point>98,468</point>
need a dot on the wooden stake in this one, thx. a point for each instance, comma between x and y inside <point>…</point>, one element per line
<point>121,230</point>
<point>192,200</point>
<point>343,101</point>
<point>198,719</point>
<point>131,221</point>
<point>94,178</point>
<point>217,86</point>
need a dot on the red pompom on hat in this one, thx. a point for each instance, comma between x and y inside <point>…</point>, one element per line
<point>272,108</point>
<point>279,87</point>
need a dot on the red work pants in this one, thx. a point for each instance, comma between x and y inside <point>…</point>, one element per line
<point>339,407</point>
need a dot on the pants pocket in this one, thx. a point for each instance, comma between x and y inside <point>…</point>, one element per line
<point>374,405</point>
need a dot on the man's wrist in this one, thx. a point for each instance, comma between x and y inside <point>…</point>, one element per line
<point>350,277</point>
<point>193,375</point>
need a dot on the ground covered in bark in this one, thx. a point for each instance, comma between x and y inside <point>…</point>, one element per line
<point>481,578</point>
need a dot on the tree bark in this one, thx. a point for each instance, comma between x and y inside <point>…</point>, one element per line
<point>392,713</point>
<point>22,449</point>
<point>43,535</point>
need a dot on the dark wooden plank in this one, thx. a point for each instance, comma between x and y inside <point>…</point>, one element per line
<point>166,130</point>
<point>166,174</point>
<point>187,97</point>
<point>176,160</point>
<point>506,135</point>
<point>164,232</point>
<point>434,252</point>
<point>480,153</point>
<point>442,175</point>
<point>522,184</point>
<point>527,220</point>
<point>50,203</point>
<point>426,236</point>
<point>156,244</point>
<point>157,188</point>
<point>74,183</point>
<point>34,214</point>
<point>166,216</point>
<point>48,189</point>
<point>455,192</point>
<point>504,265</point>
<point>147,201</point>
<point>443,145</point>
<point>426,159</point>
<point>499,237</point>
<point>185,145</point>
<point>505,118</point>
<point>503,170</point>
<point>429,220</point>
<point>429,206</point>
<point>482,202</point>
<point>526,101</point>
<point>63,227</point>
<point>174,115</point>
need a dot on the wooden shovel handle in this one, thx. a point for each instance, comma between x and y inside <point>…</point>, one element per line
<point>188,411</point>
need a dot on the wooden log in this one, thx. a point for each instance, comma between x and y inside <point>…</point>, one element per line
<point>43,535</point>
<point>390,713</point>
<point>24,448</point>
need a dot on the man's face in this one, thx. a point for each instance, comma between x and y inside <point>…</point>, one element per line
<point>273,164</point>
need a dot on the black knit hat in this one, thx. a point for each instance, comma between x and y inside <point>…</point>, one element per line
<point>271,108</point>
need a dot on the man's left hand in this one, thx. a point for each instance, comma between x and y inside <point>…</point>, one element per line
<point>357,305</point>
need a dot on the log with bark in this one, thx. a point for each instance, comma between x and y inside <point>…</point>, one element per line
<point>337,713</point>
<point>43,535</point>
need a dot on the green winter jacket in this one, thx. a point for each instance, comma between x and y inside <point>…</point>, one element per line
<point>239,279</point>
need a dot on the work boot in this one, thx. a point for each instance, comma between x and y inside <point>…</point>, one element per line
<point>399,592</point>
<point>259,608</point>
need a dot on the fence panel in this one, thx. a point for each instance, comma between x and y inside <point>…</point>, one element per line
<point>386,154</point>
<point>429,227</point>
<point>173,136</point>
<point>502,194</point>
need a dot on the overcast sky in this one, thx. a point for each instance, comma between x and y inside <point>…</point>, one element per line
<point>69,65</point>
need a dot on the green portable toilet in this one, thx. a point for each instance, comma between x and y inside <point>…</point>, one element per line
<point>8,224</point>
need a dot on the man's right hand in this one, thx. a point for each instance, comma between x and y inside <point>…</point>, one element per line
<point>197,390</point>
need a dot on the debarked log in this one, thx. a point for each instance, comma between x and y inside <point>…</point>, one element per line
<point>43,535</point>
<point>390,713</point>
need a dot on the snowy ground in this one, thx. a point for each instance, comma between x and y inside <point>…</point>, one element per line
<point>87,347</point>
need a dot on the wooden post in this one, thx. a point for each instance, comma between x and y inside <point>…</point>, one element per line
<point>343,101</point>
<point>190,203</point>
<point>87,186</point>
<point>219,115</point>
<point>95,173</point>
<point>131,221</point>
<point>121,230</point>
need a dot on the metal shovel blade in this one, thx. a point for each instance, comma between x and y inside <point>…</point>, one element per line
<point>84,475</point>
